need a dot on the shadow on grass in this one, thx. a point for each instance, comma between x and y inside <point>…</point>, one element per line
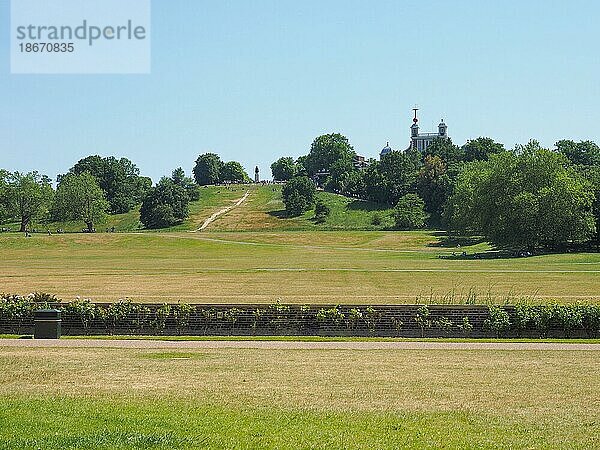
<point>281,214</point>
<point>446,241</point>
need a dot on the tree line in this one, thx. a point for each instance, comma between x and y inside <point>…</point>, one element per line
<point>527,197</point>
<point>97,186</point>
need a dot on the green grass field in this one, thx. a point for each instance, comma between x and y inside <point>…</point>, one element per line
<point>254,254</point>
<point>365,267</point>
<point>251,398</point>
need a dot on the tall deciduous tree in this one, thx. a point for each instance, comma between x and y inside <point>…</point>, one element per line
<point>119,179</point>
<point>298,195</point>
<point>481,148</point>
<point>79,197</point>
<point>524,199</point>
<point>327,150</point>
<point>180,178</point>
<point>434,186</point>
<point>586,153</point>
<point>165,205</point>
<point>445,149</point>
<point>4,214</point>
<point>409,212</point>
<point>233,172</point>
<point>208,169</point>
<point>398,173</point>
<point>283,169</point>
<point>27,197</point>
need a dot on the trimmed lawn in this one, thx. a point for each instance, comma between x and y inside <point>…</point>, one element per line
<point>249,398</point>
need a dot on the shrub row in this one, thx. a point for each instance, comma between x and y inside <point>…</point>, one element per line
<point>126,317</point>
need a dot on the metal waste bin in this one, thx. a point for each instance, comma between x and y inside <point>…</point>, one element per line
<point>46,324</point>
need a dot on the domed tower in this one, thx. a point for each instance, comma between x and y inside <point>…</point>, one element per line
<point>385,150</point>
<point>256,175</point>
<point>443,129</point>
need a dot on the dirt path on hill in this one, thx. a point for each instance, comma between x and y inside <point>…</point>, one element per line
<point>294,345</point>
<point>214,217</point>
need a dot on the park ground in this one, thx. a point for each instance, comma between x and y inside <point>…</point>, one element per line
<point>297,398</point>
<point>194,395</point>
<point>253,254</point>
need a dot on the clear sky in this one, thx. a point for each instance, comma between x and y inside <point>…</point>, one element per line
<point>256,80</point>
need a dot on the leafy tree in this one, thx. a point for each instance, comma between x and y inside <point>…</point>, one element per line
<point>79,197</point>
<point>434,186</point>
<point>208,169</point>
<point>481,148</point>
<point>119,179</point>
<point>326,150</point>
<point>166,204</point>
<point>193,191</point>
<point>585,153</point>
<point>375,188</point>
<point>409,213</point>
<point>592,174</point>
<point>340,173</point>
<point>233,172</point>
<point>301,166</point>
<point>321,211</point>
<point>524,199</point>
<point>445,149</point>
<point>4,214</point>
<point>298,195</point>
<point>398,175</point>
<point>26,197</point>
<point>284,169</point>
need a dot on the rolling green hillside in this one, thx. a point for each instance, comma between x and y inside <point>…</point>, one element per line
<point>263,210</point>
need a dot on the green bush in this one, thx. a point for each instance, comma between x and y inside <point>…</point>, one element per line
<point>333,316</point>
<point>443,324</point>
<point>465,327</point>
<point>83,310</point>
<point>422,319</point>
<point>410,213</point>
<point>568,318</point>
<point>182,313</point>
<point>161,316</point>
<point>498,320</point>
<point>321,211</point>
<point>590,319</point>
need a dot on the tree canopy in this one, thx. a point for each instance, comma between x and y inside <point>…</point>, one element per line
<point>119,179</point>
<point>25,197</point>
<point>208,169</point>
<point>409,212</point>
<point>233,172</point>
<point>298,195</point>
<point>180,178</point>
<point>480,149</point>
<point>165,205</point>
<point>586,153</point>
<point>327,150</point>
<point>284,168</point>
<point>79,197</point>
<point>525,199</point>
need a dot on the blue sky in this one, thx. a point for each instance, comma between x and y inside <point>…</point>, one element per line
<point>256,80</point>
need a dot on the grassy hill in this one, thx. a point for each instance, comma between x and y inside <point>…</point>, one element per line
<point>263,210</point>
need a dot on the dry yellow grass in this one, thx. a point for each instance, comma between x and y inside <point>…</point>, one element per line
<point>527,384</point>
<point>295,267</point>
<point>256,398</point>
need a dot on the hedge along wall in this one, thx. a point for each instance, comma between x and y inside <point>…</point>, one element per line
<point>83,317</point>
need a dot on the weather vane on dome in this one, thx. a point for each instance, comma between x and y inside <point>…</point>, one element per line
<point>415,109</point>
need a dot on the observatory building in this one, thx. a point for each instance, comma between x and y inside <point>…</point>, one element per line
<point>420,141</point>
